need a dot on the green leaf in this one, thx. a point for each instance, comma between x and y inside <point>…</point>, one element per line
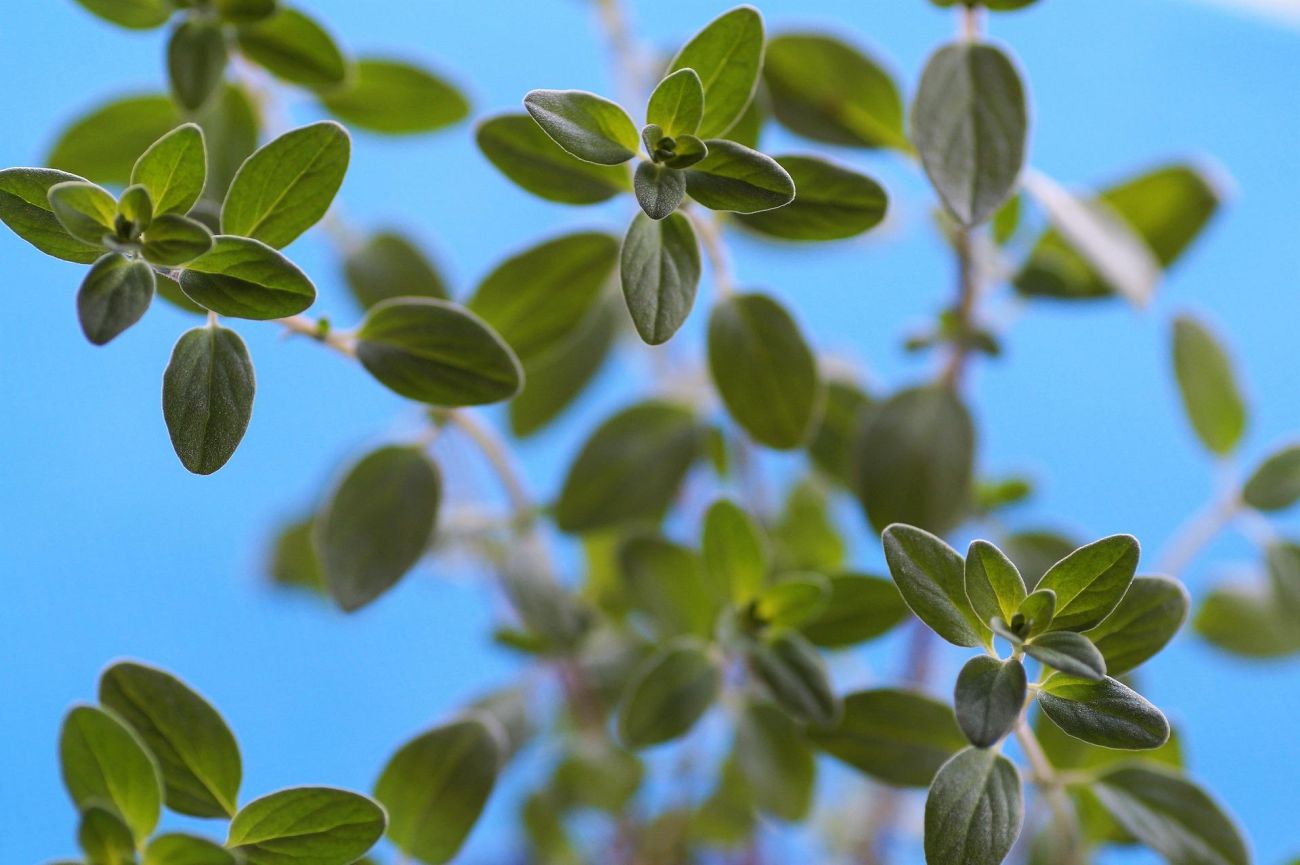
<point>677,104</point>
<point>102,146</point>
<point>988,698</point>
<point>208,394</point>
<point>806,538</point>
<point>178,849</point>
<point>294,48</point>
<point>231,128</point>
<point>970,124</point>
<point>830,91</point>
<point>668,694</point>
<point>196,62</point>
<point>668,583</point>
<point>659,189</point>
<point>763,369</point>
<point>294,562</point>
<point>320,825</point>
<point>608,483</point>
<point>1070,653</point>
<point>735,550</point>
<point>245,278</point>
<point>1275,485</point>
<point>436,785</point>
<point>1244,621</point>
<point>1171,815</point>
<point>389,265</point>
<point>519,148</point>
<point>1167,208</point>
<point>974,811</point>
<point>1106,713</point>
<point>195,749</point>
<point>860,608</point>
<point>86,211</point>
<point>287,186</point>
<point>588,126</point>
<point>1037,611</point>
<point>115,294</point>
<point>1283,560</point>
<point>173,240</point>
<point>916,459</point>
<point>25,207</point>
<point>930,577</point>
<point>170,290</point>
<point>1034,551</point>
<point>134,14</point>
<point>105,762</point>
<point>554,379</point>
<point>134,212</point>
<point>844,415</point>
<point>832,203</point>
<point>1206,381</point>
<point>792,600</point>
<point>105,838</point>
<point>437,352</point>
<point>396,98</point>
<point>538,298</point>
<point>378,523</point>
<point>993,584</point>
<point>174,170</point>
<point>775,762</point>
<point>1146,619</point>
<point>597,774</point>
<point>728,57</point>
<point>1090,581</point>
<point>735,178</point>
<point>797,678</point>
<point>660,269</point>
<point>244,11</point>
<point>899,737</point>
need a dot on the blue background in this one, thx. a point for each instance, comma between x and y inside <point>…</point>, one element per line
<point>108,548</point>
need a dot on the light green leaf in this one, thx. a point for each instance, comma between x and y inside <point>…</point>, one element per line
<point>930,577</point>
<point>805,538</point>
<point>25,207</point>
<point>1206,381</point>
<point>668,694</point>
<point>1036,612</point>
<point>287,186</point>
<point>519,148</point>
<point>797,678</point>
<point>293,561</point>
<point>134,14</point>
<point>1275,485</point>
<point>86,211</point>
<point>115,294</point>
<point>1034,551</point>
<point>827,90</point>
<point>659,189</point>
<point>102,146</point>
<point>196,62</point>
<point>969,125</point>
<point>195,749</point>
<point>831,203</point>
<point>792,600</point>
<point>728,57</point>
<point>174,170</point>
<point>173,240</point>
<point>588,126</point>
<point>208,392</point>
<point>389,265</point>
<point>775,762</point>
<point>134,212</point>
<point>1106,713</point>
<point>105,838</point>
<point>437,352</point>
<point>735,178</point>
<point>436,785</point>
<point>1090,581</point>
<point>899,737</point>
<point>1245,621</point>
<point>396,98</point>
<point>378,523</point>
<point>320,825</point>
<point>177,849</point>
<point>245,278</point>
<point>677,104</point>
<point>668,583</point>
<point>1070,653</point>
<point>105,762</point>
<point>1147,618</point>
<point>293,47</point>
<point>993,584</point>
<point>988,698</point>
<point>860,608</point>
<point>974,811</point>
<point>660,269</point>
<point>599,775</point>
<point>735,550</point>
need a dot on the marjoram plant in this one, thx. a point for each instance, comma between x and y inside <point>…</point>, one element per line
<point>682,596</point>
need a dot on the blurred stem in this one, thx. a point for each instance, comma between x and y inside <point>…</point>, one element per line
<point>964,310</point>
<point>498,456</point>
<point>715,250</point>
<point>623,50</point>
<point>1199,531</point>
<point>1047,778</point>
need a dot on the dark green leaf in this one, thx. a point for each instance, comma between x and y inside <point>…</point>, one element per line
<point>396,98</point>
<point>177,849</point>
<point>1090,581</point>
<point>389,265</point>
<point>728,56</point>
<point>588,126</point>
<point>293,47</point>
<point>970,124</point>
<point>974,810</point>
<point>135,14</point>
<point>896,736</point>
<point>660,269</point>
<point>287,186</point>
<point>1209,389</point>
<point>735,178</point>
<point>25,207</point>
<point>668,694</point>
<point>1151,612</point>
<point>378,523</point>
<point>115,295</point>
<point>930,577</point>
<point>208,394</point>
<point>993,584</point>
<point>1283,559</point>
<point>1070,653</point>
<point>196,62</point>
<point>797,678</point>
<point>989,697</point>
<point>659,189</point>
<point>557,377</point>
<point>244,11</point>
<point>437,352</point>
<point>195,749</point>
<point>105,762</point>
<point>860,608</point>
<point>320,825</point>
<point>519,148</point>
<point>86,211</point>
<point>775,762</point>
<point>105,838</point>
<point>1106,713</point>
<point>173,240</point>
<point>834,443</point>
<point>436,785</point>
<point>831,203</point>
<point>103,145</point>
<point>735,550</point>
<point>598,774</point>
<point>677,104</point>
<point>170,290</point>
<point>763,369</point>
<point>1275,485</point>
<point>245,278</point>
<point>827,90</point>
<point>174,169</point>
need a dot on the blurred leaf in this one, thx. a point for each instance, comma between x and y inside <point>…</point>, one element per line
<point>896,736</point>
<point>196,62</point>
<point>797,678</point>
<point>1035,550</point>
<point>1146,619</point>
<point>805,537</point>
<point>556,377</point>
<point>598,775</point>
<point>105,838</point>
<point>177,849</point>
<point>294,48</point>
<point>294,563</point>
<point>230,127</point>
<point>860,608</point>
<point>1246,622</point>
<point>396,98</point>
<point>668,694</point>
<point>831,203</point>
<point>521,151</point>
<point>389,265</point>
<point>775,761</point>
<point>735,550</point>
<point>668,582</point>
<point>833,448</point>
<point>135,14</point>
<point>1206,381</point>
<point>792,600</point>
<point>1275,485</point>
<point>103,145</point>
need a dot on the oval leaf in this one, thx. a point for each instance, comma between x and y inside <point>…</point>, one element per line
<point>1275,485</point>
<point>115,294</point>
<point>974,811</point>
<point>208,392</point>
<point>1146,619</point>
<point>1070,653</point>
<point>588,126</point>
<point>989,697</point>
<point>1208,385</point>
<point>1090,581</point>
<point>728,57</point>
<point>293,47</point>
<point>25,207</point>
<point>521,151</point>
<point>174,169</point>
<point>733,177</point>
<point>396,98</point>
<point>104,760</point>
<point>670,692</point>
<point>320,825</point>
<point>930,577</point>
<point>831,203</point>
<point>1106,713</point>
<point>797,677</point>
<point>660,269</point>
<point>389,265</point>
<point>860,608</point>
<point>245,278</point>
